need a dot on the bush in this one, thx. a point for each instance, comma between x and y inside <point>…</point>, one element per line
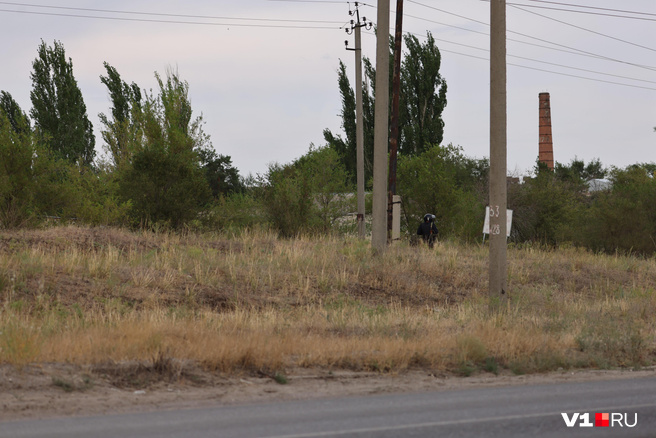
<point>305,196</point>
<point>444,182</point>
<point>545,208</point>
<point>624,218</point>
<point>16,174</point>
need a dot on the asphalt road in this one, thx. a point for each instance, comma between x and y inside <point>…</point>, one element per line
<point>516,411</point>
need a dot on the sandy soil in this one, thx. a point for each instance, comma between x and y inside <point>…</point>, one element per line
<point>54,390</point>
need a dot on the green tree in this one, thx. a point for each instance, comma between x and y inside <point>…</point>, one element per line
<point>16,171</point>
<point>121,132</point>
<point>546,207</point>
<point>307,195</point>
<point>222,177</point>
<point>578,172</point>
<point>423,96</point>
<point>444,182</point>
<point>58,109</point>
<point>422,101</point>
<point>165,181</point>
<point>328,181</point>
<point>624,218</point>
<point>17,118</point>
<point>345,147</point>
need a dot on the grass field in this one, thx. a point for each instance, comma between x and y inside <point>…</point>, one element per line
<point>253,303</point>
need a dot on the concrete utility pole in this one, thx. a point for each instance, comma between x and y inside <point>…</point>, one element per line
<point>394,135</point>
<point>498,293</point>
<point>381,130</point>
<point>359,127</point>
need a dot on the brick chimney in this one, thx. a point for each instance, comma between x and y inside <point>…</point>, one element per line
<point>546,141</point>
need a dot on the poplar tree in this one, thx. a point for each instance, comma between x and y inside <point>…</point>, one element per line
<point>16,117</point>
<point>121,132</point>
<point>422,101</point>
<point>58,109</point>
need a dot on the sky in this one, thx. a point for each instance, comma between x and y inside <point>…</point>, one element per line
<point>263,73</point>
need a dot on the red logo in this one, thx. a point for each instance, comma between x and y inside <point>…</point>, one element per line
<point>602,420</point>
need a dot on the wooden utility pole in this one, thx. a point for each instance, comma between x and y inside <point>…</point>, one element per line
<point>359,127</point>
<point>381,130</point>
<point>394,134</point>
<point>498,293</point>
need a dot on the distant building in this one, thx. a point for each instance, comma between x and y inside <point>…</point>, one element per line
<point>599,185</point>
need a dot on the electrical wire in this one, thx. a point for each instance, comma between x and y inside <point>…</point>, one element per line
<point>539,61</point>
<point>160,14</point>
<point>544,62</point>
<point>571,51</point>
<point>207,17</point>
<point>579,12</point>
<point>593,7</point>
<point>579,51</point>
<point>145,20</point>
<point>313,24</point>
<point>553,72</point>
<point>584,29</point>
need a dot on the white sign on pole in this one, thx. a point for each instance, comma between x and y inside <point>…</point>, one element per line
<point>486,224</point>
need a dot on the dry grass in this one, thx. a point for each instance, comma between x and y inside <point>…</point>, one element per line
<point>253,303</point>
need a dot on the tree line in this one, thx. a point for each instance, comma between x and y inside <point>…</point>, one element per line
<point>161,169</point>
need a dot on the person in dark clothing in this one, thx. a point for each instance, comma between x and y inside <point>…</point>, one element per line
<point>428,230</point>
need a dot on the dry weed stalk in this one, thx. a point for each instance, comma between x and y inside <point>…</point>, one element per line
<point>254,302</point>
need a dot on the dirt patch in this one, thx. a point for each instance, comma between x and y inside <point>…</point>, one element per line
<point>55,390</point>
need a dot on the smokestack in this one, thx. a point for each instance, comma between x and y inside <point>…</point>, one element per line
<point>546,141</point>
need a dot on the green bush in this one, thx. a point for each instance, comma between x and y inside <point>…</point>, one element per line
<point>307,195</point>
<point>444,182</point>
<point>16,173</point>
<point>624,218</point>
<point>544,208</point>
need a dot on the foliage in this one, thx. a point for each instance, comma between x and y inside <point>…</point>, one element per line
<point>444,182</point>
<point>222,177</point>
<point>58,109</point>
<point>624,218</point>
<point>121,132</point>
<point>328,182</point>
<point>165,182</point>
<point>236,211</point>
<point>423,96</point>
<point>422,101</point>
<point>307,195</point>
<point>16,173</point>
<point>578,172</point>
<point>544,207</point>
<point>17,118</point>
<point>346,148</point>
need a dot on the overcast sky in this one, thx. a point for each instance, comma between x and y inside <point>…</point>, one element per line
<point>268,88</point>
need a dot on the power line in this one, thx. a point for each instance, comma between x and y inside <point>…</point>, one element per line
<point>309,1</point>
<point>593,7</point>
<point>580,12</point>
<point>579,51</point>
<point>160,14</point>
<point>545,62</point>
<point>147,20</point>
<point>552,72</point>
<point>570,51</point>
<point>584,29</point>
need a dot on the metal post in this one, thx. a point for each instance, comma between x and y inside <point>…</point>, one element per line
<point>381,130</point>
<point>498,139</point>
